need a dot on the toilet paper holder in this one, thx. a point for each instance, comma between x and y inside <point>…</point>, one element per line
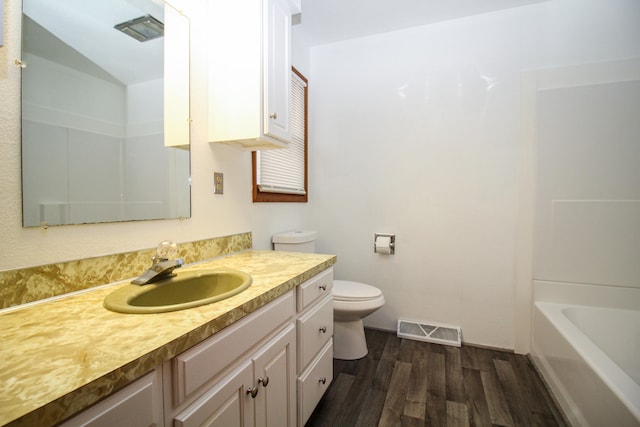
<point>384,243</point>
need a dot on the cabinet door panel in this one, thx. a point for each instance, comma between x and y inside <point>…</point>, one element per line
<point>250,79</point>
<point>277,38</point>
<point>138,404</point>
<point>276,402</point>
<point>227,404</point>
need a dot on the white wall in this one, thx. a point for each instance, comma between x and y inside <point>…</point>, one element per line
<point>417,133</point>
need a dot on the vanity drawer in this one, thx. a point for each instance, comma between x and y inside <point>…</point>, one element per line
<point>206,360</point>
<point>314,383</point>
<point>315,328</point>
<point>314,289</point>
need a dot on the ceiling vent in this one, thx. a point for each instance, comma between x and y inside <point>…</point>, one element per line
<point>142,29</point>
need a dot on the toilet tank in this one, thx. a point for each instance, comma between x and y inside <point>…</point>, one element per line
<point>295,241</point>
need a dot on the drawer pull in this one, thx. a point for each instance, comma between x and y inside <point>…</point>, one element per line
<point>323,329</point>
<point>323,287</point>
<point>264,381</point>
<point>323,380</point>
<point>253,391</point>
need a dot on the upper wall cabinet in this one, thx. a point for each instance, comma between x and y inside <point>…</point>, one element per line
<point>250,72</point>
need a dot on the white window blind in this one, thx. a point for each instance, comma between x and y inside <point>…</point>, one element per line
<point>282,170</point>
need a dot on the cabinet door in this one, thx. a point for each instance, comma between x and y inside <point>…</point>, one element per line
<point>138,404</point>
<point>227,404</point>
<point>277,72</point>
<point>274,376</point>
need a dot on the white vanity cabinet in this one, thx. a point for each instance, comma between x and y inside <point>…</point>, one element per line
<point>315,342</point>
<point>250,72</point>
<point>269,369</point>
<point>242,376</point>
<point>138,404</point>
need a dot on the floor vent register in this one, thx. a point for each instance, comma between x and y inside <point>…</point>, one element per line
<point>430,332</point>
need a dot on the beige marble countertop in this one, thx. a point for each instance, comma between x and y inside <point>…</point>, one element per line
<point>60,356</point>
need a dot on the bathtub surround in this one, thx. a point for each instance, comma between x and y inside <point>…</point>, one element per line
<point>36,283</point>
<point>586,285</point>
<point>588,179</point>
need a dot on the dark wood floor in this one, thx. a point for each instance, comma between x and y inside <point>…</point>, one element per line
<point>410,383</point>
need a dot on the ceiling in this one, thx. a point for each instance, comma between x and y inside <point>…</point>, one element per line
<point>328,21</point>
<point>322,21</point>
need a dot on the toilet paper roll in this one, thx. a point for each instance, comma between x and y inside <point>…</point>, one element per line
<point>383,245</point>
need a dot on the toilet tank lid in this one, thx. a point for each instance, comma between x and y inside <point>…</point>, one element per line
<point>345,290</point>
<point>295,236</point>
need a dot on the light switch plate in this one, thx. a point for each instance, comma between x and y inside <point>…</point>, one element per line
<point>218,183</point>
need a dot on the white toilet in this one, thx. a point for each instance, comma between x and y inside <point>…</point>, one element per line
<point>352,301</point>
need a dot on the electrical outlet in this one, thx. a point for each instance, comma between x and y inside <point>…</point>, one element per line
<point>218,183</point>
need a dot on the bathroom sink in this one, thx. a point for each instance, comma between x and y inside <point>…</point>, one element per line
<point>187,289</point>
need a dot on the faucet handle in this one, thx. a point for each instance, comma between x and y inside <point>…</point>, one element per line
<point>167,249</point>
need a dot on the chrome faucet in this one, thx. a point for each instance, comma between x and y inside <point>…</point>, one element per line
<point>162,266</point>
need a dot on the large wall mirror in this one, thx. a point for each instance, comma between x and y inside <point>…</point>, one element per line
<point>105,116</point>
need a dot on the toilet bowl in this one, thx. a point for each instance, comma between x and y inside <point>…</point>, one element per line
<point>352,302</point>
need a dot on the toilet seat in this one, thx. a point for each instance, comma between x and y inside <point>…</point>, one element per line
<point>345,290</point>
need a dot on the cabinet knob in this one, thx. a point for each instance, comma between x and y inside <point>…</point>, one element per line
<point>323,329</point>
<point>323,287</point>
<point>322,380</point>
<point>253,391</point>
<point>273,116</point>
<point>264,381</point>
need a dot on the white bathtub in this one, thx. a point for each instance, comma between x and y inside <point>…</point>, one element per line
<point>590,357</point>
